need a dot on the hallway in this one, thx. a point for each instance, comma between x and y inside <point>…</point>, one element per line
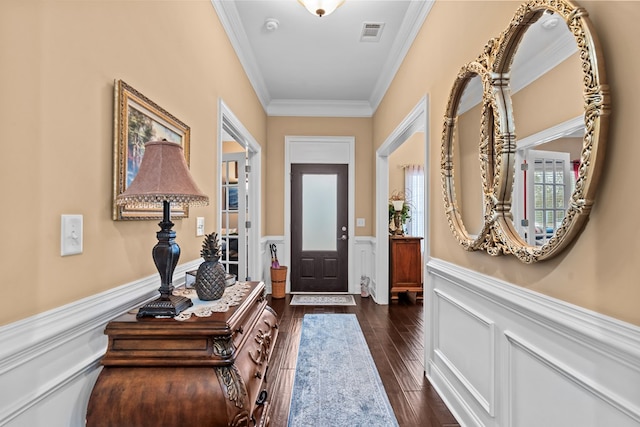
<point>395,337</point>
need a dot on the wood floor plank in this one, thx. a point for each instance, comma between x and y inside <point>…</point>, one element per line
<point>395,336</point>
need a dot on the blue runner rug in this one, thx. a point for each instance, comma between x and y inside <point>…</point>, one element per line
<point>336,381</point>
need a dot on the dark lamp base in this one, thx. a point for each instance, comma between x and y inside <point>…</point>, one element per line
<point>165,307</point>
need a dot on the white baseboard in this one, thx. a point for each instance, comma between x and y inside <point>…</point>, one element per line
<point>362,262</point>
<point>496,353</point>
<point>501,355</point>
<point>49,362</point>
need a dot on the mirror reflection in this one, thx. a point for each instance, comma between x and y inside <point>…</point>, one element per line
<point>543,122</point>
<point>547,159</point>
<point>546,171</point>
<point>468,182</point>
<point>465,157</point>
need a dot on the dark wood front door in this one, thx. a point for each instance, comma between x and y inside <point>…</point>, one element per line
<point>319,233</point>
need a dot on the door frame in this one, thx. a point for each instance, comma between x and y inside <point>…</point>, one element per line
<point>573,127</point>
<point>229,123</point>
<point>320,149</point>
<point>415,121</point>
<point>240,158</point>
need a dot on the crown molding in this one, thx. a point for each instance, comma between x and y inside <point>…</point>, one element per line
<point>526,72</point>
<point>571,128</point>
<point>319,108</point>
<point>542,62</point>
<point>411,25</point>
<point>230,19</point>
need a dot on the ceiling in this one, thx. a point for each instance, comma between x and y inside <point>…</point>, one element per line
<point>303,65</point>
<point>311,66</point>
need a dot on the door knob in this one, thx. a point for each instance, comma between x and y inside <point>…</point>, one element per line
<point>343,237</point>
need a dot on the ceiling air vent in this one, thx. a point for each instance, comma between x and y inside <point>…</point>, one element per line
<point>371,31</point>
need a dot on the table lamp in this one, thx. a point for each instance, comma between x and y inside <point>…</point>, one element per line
<point>163,178</point>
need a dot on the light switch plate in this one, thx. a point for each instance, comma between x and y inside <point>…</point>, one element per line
<point>359,222</point>
<point>200,226</point>
<point>71,235</point>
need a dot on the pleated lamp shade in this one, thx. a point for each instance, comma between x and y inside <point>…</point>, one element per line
<point>163,176</point>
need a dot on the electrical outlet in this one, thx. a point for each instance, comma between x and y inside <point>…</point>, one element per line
<point>71,235</point>
<point>200,226</point>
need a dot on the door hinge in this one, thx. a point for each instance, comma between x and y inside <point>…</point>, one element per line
<point>524,166</point>
<point>247,168</point>
<point>247,224</point>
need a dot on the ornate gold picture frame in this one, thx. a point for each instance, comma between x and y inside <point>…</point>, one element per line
<point>139,120</point>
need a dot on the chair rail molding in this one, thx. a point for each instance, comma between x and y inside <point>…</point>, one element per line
<point>50,361</point>
<point>529,351</point>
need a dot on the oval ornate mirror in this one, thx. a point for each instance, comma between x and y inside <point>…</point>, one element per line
<point>555,181</point>
<point>465,152</point>
<point>538,193</point>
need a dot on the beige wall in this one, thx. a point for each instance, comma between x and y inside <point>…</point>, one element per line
<point>554,98</point>
<point>467,168</point>
<point>411,152</point>
<point>600,271</point>
<point>232,147</point>
<point>59,60</point>
<point>279,127</point>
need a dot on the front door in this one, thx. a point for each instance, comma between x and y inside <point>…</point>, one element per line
<point>319,234</point>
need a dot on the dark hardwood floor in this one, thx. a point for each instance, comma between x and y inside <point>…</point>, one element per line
<point>395,337</point>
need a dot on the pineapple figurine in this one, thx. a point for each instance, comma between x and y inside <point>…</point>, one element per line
<point>210,278</point>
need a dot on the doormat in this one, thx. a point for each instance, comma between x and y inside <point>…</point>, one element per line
<point>336,382</point>
<point>322,299</point>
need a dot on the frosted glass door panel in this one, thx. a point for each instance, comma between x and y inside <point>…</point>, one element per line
<point>319,209</point>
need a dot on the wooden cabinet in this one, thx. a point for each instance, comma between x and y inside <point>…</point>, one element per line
<point>202,371</point>
<point>405,265</point>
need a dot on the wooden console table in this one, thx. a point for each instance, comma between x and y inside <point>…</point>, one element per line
<point>405,265</point>
<point>201,371</point>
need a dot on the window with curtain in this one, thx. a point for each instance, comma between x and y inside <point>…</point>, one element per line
<point>414,187</point>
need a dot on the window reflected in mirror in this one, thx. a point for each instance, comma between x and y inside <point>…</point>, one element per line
<point>545,177</point>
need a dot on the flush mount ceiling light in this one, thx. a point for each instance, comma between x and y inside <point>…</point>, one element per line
<point>271,24</point>
<point>321,7</point>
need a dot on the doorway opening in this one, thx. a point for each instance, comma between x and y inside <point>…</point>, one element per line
<point>322,150</point>
<point>238,219</point>
<point>416,121</point>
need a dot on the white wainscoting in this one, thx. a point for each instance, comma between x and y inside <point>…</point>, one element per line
<point>501,355</point>
<point>364,256</point>
<point>50,362</point>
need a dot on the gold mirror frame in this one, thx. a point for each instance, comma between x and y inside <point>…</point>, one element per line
<point>498,235</point>
<point>447,166</point>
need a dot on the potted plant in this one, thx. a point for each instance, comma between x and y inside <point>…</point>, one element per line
<point>399,212</point>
